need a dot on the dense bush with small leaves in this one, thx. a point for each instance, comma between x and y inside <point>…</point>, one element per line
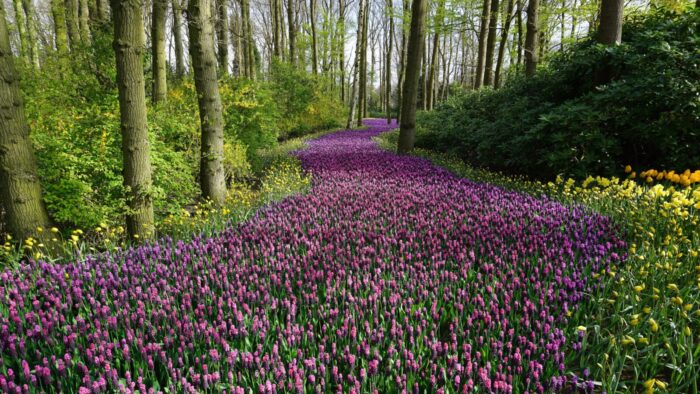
<point>591,110</point>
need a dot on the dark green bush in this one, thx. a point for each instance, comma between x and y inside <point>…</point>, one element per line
<point>569,120</point>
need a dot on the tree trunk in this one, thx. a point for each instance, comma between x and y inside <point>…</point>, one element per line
<point>222,36</point>
<point>72,23</point>
<point>610,29</point>
<point>102,10</point>
<point>314,45</point>
<point>249,45</point>
<point>129,47</point>
<point>84,21</point>
<point>532,38</point>
<point>483,37</point>
<point>390,43</point>
<point>28,8</point>
<point>520,34</point>
<point>504,41</point>
<point>292,31</point>
<point>341,46</point>
<point>356,66</point>
<point>212,177</point>
<point>20,190</point>
<point>21,31</point>
<point>407,135</point>
<point>237,44</point>
<point>177,38</point>
<point>58,12</point>
<point>276,28</point>
<point>362,95</point>
<point>405,22</point>
<point>433,58</point>
<point>158,68</point>
<point>491,44</point>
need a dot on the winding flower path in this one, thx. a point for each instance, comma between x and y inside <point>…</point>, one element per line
<point>391,274</point>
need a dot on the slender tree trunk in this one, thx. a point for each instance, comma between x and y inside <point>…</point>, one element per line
<point>222,36</point>
<point>610,29</point>
<point>390,43</point>
<point>84,21</point>
<point>22,31</point>
<point>20,190</point>
<point>314,45</point>
<point>28,8</point>
<point>356,66</point>
<point>292,31</point>
<point>58,12</point>
<point>212,177</point>
<point>247,27</point>
<point>405,23</point>
<point>275,9</point>
<point>532,38</point>
<point>434,57</point>
<point>362,95</point>
<point>177,38</point>
<point>483,37</point>
<point>341,45</point>
<point>158,68</point>
<point>102,10</point>
<point>407,134</point>
<point>72,23</point>
<point>520,34</point>
<point>237,43</point>
<point>129,47</point>
<point>504,41</point>
<point>491,44</point>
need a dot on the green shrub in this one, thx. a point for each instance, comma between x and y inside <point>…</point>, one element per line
<point>565,121</point>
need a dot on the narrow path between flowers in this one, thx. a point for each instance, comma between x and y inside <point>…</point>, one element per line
<point>390,273</point>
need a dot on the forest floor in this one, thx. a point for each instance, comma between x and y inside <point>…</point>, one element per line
<point>391,272</point>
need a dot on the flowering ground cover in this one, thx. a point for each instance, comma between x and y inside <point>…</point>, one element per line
<point>390,274</point>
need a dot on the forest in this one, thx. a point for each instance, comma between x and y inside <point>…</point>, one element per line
<point>430,196</point>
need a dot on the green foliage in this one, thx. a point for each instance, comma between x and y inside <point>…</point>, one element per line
<point>304,101</point>
<point>567,120</point>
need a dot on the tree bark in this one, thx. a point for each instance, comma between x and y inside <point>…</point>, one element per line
<point>212,177</point>
<point>276,28</point>
<point>72,23</point>
<point>249,45</point>
<point>610,29</point>
<point>434,57</point>
<point>532,38</point>
<point>483,37</point>
<point>405,22</point>
<point>504,41</point>
<point>159,87</point>
<point>21,31</point>
<point>222,36</point>
<point>314,45</point>
<point>491,44</point>
<point>129,47</point>
<point>58,12</point>
<point>356,66</point>
<point>341,47</point>
<point>407,134</point>
<point>30,14</point>
<point>84,21</point>
<point>177,38</point>
<point>390,44</point>
<point>362,95</point>
<point>20,190</point>
<point>292,31</point>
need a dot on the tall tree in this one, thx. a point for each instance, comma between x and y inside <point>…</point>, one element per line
<point>341,46</point>
<point>22,31</point>
<point>177,38</point>
<point>30,14</point>
<point>483,37</point>
<point>72,23</point>
<point>356,67</point>
<point>439,15</point>
<point>84,20</point>
<point>314,44</point>
<point>362,95</point>
<point>407,134</point>
<point>292,31</point>
<point>20,191</point>
<point>222,36</point>
<point>248,43</point>
<point>532,37</point>
<point>58,11</point>
<point>389,45</point>
<point>610,29</point>
<point>491,44</point>
<point>504,41</point>
<point>129,47</point>
<point>275,9</point>
<point>160,87</point>
<point>405,22</point>
<point>211,171</point>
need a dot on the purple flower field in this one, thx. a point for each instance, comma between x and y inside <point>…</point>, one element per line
<point>390,275</point>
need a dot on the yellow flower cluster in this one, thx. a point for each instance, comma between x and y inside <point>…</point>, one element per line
<point>685,178</point>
